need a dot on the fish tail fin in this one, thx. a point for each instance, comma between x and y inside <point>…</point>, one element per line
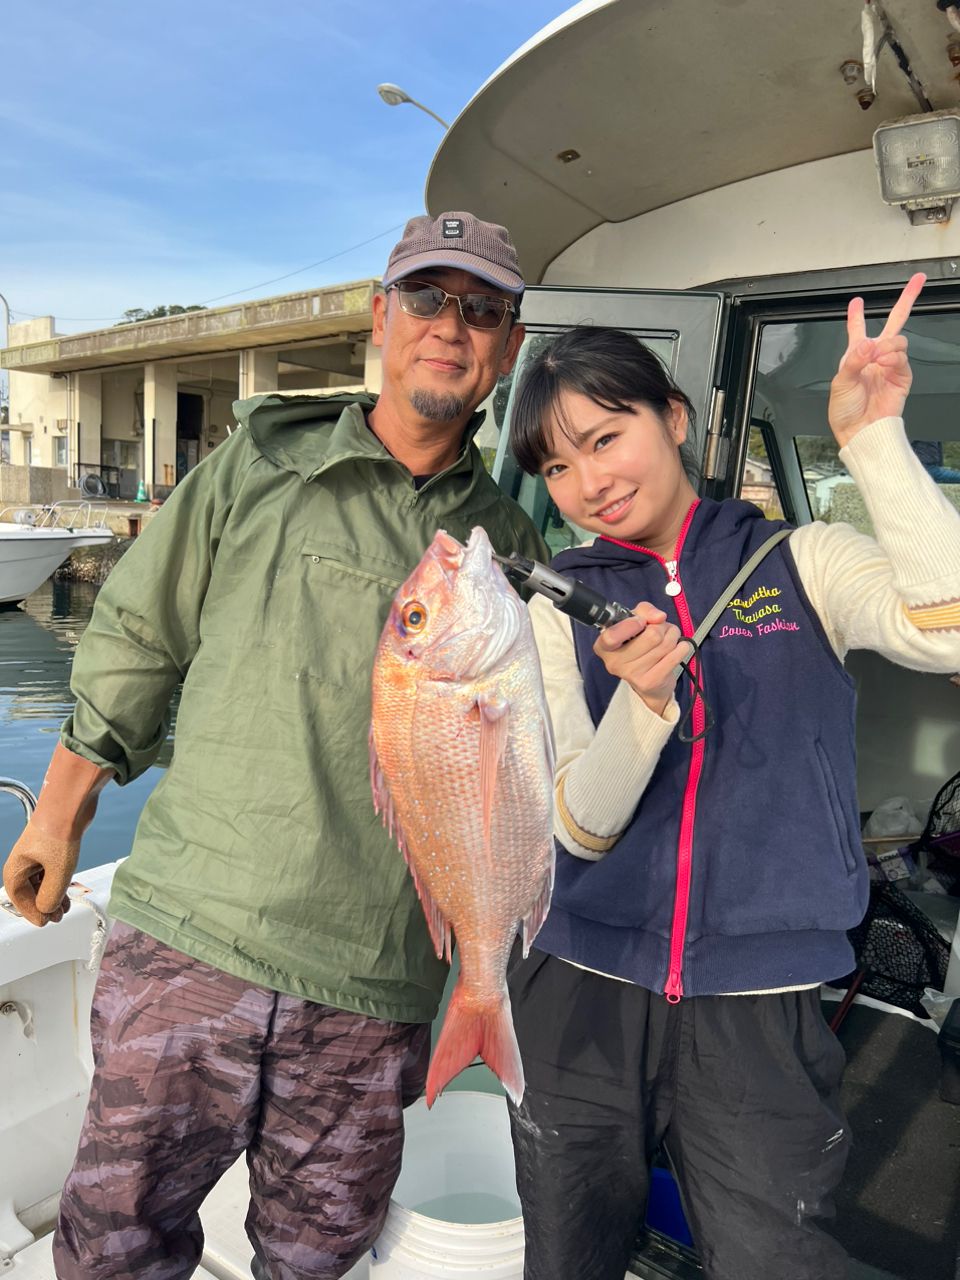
<point>468,1032</point>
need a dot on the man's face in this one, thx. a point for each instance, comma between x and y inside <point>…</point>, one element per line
<point>442,367</point>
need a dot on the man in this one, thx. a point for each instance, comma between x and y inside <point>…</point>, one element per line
<point>270,982</point>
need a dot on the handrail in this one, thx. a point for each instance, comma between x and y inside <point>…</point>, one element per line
<point>23,794</point>
<point>67,513</point>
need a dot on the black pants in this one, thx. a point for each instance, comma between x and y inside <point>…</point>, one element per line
<point>741,1091</point>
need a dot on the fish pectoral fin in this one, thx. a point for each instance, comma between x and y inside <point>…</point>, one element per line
<point>494,730</point>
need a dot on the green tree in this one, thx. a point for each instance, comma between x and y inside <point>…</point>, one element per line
<point>136,314</point>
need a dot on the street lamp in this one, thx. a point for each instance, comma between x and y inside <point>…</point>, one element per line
<point>393,96</point>
<point>6,339</point>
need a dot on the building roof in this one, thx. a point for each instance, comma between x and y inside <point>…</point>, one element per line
<point>266,322</point>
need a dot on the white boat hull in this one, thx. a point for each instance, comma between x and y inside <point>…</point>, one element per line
<point>29,556</point>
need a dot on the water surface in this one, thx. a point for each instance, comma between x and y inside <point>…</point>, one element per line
<point>37,643</point>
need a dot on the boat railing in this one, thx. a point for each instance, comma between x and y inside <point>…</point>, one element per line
<point>23,794</point>
<point>68,513</point>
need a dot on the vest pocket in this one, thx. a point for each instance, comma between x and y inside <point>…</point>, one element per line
<point>836,808</point>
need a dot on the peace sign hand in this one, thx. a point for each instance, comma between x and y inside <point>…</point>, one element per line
<point>874,376</point>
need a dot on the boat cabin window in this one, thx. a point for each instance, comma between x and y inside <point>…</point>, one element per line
<point>791,451</point>
<point>906,721</point>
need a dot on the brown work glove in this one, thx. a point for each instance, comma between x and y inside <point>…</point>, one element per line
<point>37,874</point>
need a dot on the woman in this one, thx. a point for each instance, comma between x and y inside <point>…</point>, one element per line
<point>705,888</point>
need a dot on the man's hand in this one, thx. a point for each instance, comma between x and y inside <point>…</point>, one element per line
<point>874,376</point>
<point>644,650</point>
<point>37,875</point>
<point>41,864</point>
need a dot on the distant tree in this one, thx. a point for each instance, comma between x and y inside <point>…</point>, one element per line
<point>757,449</point>
<point>819,451</point>
<point>136,314</point>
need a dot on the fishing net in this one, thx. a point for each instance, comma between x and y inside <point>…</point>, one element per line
<point>899,949</point>
<point>940,839</point>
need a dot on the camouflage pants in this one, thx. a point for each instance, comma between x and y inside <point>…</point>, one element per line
<point>193,1067</point>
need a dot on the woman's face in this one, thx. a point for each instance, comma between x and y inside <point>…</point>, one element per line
<point>619,473</point>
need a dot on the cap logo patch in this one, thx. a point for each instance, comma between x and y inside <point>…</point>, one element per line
<point>453,228</point>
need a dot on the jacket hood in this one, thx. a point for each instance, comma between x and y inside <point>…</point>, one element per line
<point>307,433</point>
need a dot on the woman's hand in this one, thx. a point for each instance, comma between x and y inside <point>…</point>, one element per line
<point>874,376</point>
<point>645,651</point>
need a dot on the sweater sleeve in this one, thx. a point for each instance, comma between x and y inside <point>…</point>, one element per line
<point>601,772</point>
<point>897,593</point>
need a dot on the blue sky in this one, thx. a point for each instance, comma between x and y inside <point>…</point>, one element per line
<point>177,152</point>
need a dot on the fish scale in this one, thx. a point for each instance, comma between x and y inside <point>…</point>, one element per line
<point>462,772</point>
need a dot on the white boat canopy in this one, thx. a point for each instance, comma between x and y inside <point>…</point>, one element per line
<point>620,107</point>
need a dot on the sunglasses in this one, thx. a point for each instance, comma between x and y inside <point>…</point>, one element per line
<point>477,310</point>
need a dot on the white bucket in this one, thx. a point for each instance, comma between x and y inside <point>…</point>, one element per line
<point>457,1163</point>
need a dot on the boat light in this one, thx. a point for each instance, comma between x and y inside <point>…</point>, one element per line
<point>918,161</point>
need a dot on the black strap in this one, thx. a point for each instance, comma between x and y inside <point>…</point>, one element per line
<point>701,633</point>
<point>736,583</point>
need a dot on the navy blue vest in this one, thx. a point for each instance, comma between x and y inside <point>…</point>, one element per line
<point>775,859</point>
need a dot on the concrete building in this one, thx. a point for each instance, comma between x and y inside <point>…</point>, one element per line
<point>758,486</point>
<point>147,401</point>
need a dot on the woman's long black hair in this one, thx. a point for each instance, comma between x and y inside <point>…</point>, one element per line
<point>611,367</point>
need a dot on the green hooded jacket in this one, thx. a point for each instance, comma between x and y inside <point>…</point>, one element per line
<point>263,584</point>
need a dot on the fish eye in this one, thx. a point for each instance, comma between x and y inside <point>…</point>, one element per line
<point>413,616</point>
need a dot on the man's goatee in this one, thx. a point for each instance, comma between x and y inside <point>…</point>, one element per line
<point>436,407</point>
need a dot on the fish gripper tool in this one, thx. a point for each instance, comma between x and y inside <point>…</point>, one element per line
<point>569,595</point>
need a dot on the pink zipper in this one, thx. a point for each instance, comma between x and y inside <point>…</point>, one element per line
<point>681,904</point>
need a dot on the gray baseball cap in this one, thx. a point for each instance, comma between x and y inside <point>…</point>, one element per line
<point>456,240</point>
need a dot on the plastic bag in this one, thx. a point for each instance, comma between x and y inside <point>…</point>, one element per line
<point>937,1004</point>
<point>894,818</point>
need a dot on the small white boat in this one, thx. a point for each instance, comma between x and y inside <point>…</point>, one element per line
<point>35,541</point>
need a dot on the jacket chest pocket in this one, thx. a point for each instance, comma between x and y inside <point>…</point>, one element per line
<point>343,603</point>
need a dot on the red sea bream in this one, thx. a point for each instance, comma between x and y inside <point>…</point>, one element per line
<point>461,763</point>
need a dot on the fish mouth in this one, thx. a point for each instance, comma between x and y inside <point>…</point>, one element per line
<point>447,550</point>
<point>455,557</point>
<point>478,550</point>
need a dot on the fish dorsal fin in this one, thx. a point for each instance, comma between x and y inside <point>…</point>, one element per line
<point>384,806</point>
<point>494,731</point>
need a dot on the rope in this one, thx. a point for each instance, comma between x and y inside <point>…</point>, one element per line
<point>98,939</point>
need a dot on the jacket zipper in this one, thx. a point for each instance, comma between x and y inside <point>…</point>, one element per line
<point>673,988</point>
